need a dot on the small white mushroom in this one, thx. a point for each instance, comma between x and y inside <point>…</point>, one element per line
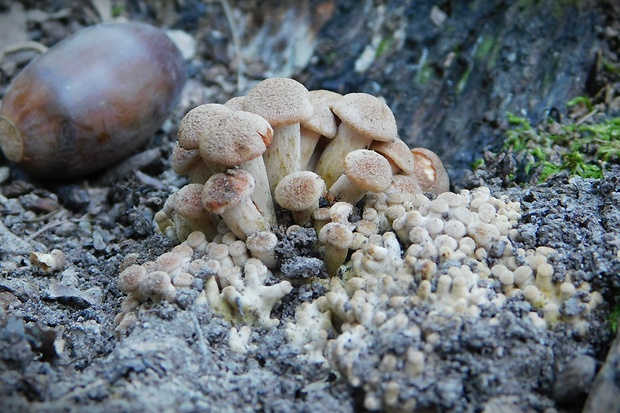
<point>228,194</point>
<point>189,214</point>
<point>300,193</point>
<point>336,238</point>
<point>364,171</point>
<point>157,286</point>
<point>262,245</point>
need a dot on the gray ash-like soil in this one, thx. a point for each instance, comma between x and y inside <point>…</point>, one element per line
<point>58,348</point>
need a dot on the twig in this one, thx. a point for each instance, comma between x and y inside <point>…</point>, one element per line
<point>586,117</point>
<point>55,224</point>
<point>230,18</point>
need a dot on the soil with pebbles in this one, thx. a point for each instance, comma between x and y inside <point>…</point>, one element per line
<point>58,348</point>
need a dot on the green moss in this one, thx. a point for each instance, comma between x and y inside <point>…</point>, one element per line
<point>581,149</point>
<point>484,47</point>
<point>460,86</point>
<point>477,164</point>
<point>117,10</point>
<point>614,316</point>
<point>425,74</point>
<point>383,46</point>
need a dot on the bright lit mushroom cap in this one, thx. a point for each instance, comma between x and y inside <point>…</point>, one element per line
<point>234,137</point>
<point>227,190</point>
<point>299,190</point>
<point>368,170</point>
<point>235,103</point>
<point>367,115</point>
<point>281,101</point>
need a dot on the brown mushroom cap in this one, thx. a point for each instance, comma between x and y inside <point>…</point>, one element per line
<point>368,170</point>
<point>183,159</point>
<point>367,115</point>
<point>226,190</point>
<point>299,190</point>
<point>281,101</point>
<point>193,123</point>
<point>188,202</point>
<point>234,137</point>
<point>398,153</point>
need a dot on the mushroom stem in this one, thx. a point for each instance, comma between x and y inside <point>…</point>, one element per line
<point>245,219</point>
<point>262,245</point>
<point>344,190</point>
<point>262,193</point>
<point>283,157</point>
<point>336,238</point>
<point>309,140</point>
<point>330,165</point>
<point>228,194</point>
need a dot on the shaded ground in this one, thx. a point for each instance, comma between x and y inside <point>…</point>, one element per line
<point>449,71</point>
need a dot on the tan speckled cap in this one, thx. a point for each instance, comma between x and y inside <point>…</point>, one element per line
<point>226,190</point>
<point>368,170</point>
<point>367,115</point>
<point>234,137</point>
<point>192,126</point>
<point>281,101</point>
<point>398,153</point>
<point>299,190</point>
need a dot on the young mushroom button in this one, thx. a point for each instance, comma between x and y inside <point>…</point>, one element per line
<point>300,193</point>
<point>336,238</point>
<point>189,214</point>
<point>228,194</point>
<point>364,171</point>
<point>364,118</point>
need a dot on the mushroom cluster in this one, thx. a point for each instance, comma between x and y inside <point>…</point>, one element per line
<point>403,262</point>
<point>274,161</point>
<point>284,148</point>
<point>272,157</point>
